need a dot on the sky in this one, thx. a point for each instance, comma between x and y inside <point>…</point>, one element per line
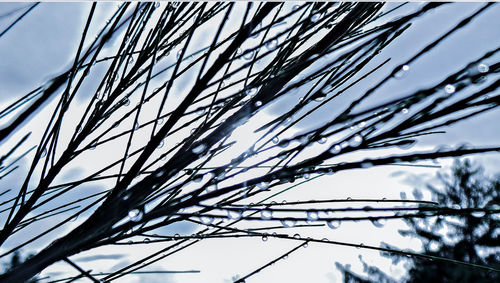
<point>43,44</point>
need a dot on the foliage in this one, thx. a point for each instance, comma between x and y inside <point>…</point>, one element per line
<point>193,140</point>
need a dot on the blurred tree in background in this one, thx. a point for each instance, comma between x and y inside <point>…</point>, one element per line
<point>470,237</point>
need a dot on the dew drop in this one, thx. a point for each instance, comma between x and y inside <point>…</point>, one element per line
<point>198,178</point>
<point>333,224</point>
<point>146,240</point>
<point>258,103</point>
<point>402,72</point>
<point>404,111</point>
<point>126,101</point>
<point>160,145</point>
<point>263,185</point>
<point>199,149</point>
<point>449,89</point>
<point>234,214</point>
<point>312,215</point>
<point>335,149</point>
<point>483,68</point>
<point>136,127</point>
<point>135,215</point>
<point>322,140</point>
<point>159,121</point>
<point>44,153</point>
<point>271,45</point>
<point>266,214</point>
<point>288,222</point>
<point>296,236</point>
<point>295,7</point>
<point>179,53</point>
<point>248,55</point>
<point>356,141</point>
<point>264,238</point>
<point>315,17</point>
<point>275,140</point>
<point>211,188</point>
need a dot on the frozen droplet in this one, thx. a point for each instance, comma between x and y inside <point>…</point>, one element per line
<point>449,89</point>
<point>333,224</point>
<point>483,68</point>
<point>379,223</point>
<point>135,215</point>
<point>322,140</point>
<point>266,214</point>
<point>234,214</point>
<point>312,215</point>
<point>199,149</point>
<point>335,149</point>
<point>206,220</point>
<point>356,141</point>
<point>288,222</point>
<point>271,45</point>
<point>315,17</point>
<point>402,72</point>
<point>263,185</point>
<point>275,140</point>
<point>258,103</point>
<point>248,54</point>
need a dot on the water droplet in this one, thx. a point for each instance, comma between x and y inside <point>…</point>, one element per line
<point>295,7</point>
<point>199,149</point>
<point>312,215</point>
<point>404,111</point>
<point>483,68</point>
<point>356,141</point>
<point>264,238</point>
<point>335,149</point>
<point>44,153</point>
<point>402,72</point>
<point>135,215</point>
<point>315,17</point>
<point>478,213</point>
<point>159,121</point>
<point>136,127</point>
<point>296,236</point>
<point>177,236</point>
<point>263,185</point>
<point>379,223</point>
<point>197,178</point>
<point>449,89</point>
<point>333,224</point>
<point>249,55</point>
<point>266,214</point>
<point>275,140</point>
<point>160,145</point>
<point>211,188</point>
<point>234,214</point>
<point>271,45</point>
<point>366,164</point>
<point>126,101</point>
<point>206,220</point>
<point>322,140</point>
<point>288,222</point>
<point>201,111</point>
<point>146,240</point>
<point>258,103</point>
<point>179,53</point>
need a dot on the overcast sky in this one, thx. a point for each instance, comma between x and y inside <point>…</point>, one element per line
<point>43,44</point>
